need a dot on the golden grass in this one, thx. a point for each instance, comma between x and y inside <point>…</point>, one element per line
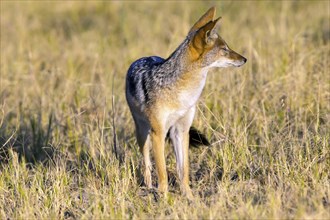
<point>67,138</point>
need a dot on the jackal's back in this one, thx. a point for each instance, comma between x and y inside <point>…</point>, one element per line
<point>139,79</point>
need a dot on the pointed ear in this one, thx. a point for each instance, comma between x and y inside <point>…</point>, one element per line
<point>206,18</point>
<point>205,35</point>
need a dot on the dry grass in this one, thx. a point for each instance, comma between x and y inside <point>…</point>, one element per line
<point>67,138</point>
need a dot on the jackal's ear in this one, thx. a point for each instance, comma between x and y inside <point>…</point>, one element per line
<point>206,18</point>
<point>206,35</point>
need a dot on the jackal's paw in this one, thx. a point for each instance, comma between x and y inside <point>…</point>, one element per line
<point>163,188</point>
<point>186,192</point>
<point>147,180</point>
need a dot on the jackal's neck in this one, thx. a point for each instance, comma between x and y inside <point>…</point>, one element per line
<point>175,65</point>
<point>179,56</point>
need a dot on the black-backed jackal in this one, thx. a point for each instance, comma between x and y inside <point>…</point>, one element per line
<point>162,96</point>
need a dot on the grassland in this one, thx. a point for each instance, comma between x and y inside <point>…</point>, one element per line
<point>67,145</point>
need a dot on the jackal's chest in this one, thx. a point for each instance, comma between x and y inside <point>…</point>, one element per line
<point>190,89</point>
<point>188,98</point>
<point>181,101</point>
<point>185,95</point>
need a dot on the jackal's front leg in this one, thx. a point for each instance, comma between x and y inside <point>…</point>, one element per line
<point>180,140</point>
<point>158,145</point>
<point>185,188</point>
<point>179,135</point>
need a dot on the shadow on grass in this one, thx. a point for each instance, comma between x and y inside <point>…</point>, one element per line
<point>35,137</point>
<point>30,139</point>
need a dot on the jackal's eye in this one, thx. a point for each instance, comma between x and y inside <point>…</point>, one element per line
<point>224,51</point>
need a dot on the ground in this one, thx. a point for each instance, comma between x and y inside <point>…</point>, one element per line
<point>67,145</point>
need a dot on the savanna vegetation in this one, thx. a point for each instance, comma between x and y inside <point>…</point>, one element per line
<point>67,144</point>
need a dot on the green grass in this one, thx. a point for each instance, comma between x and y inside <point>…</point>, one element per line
<point>67,145</point>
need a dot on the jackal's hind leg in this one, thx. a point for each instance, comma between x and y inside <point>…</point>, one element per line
<point>143,139</point>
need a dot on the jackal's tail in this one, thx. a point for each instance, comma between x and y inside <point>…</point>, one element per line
<point>196,138</point>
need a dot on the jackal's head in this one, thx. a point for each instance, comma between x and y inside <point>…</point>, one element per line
<point>207,48</point>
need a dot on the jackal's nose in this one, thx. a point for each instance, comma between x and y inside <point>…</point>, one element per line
<point>244,59</point>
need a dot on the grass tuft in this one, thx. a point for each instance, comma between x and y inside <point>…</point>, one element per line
<point>67,145</point>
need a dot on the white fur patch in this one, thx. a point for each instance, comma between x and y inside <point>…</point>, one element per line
<point>190,97</point>
<point>226,63</point>
<point>178,148</point>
